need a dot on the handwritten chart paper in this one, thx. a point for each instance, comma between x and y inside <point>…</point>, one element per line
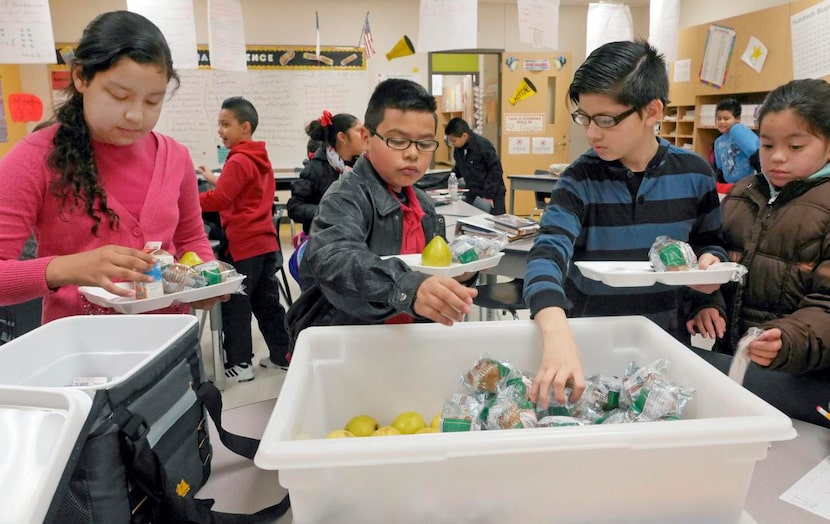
<point>607,23</point>
<point>175,20</point>
<point>447,24</point>
<point>719,43</point>
<point>812,491</point>
<point>26,32</point>
<point>810,42</point>
<point>539,22</point>
<point>664,26</point>
<point>226,35</point>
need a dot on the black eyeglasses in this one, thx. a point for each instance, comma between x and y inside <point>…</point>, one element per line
<point>603,121</point>
<point>401,144</point>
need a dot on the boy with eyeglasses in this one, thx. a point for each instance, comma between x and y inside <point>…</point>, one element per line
<point>376,210</point>
<point>611,204</point>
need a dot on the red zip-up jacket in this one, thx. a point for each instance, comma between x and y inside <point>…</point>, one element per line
<point>244,197</point>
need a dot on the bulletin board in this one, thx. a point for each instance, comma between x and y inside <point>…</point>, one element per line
<point>10,131</point>
<point>286,99</point>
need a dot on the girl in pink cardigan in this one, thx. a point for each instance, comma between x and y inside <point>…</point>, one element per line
<point>98,184</point>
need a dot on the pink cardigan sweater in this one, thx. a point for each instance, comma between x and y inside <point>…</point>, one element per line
<point>171,214</point>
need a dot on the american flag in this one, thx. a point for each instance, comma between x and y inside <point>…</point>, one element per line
<point>366,38</point>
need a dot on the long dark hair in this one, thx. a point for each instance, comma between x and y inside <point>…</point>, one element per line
<point>106,40</point>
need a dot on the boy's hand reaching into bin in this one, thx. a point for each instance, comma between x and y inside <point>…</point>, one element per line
<point>443,300</point>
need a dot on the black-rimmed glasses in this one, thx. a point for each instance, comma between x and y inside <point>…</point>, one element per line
<point>401,144</point>
<point>603,121</point>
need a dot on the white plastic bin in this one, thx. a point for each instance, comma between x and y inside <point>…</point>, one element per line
<point>38,429</point>
<point>693,470</point>
<point>111,347</point>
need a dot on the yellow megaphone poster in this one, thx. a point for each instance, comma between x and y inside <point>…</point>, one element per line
<point>404,47</point>
<point>525,89</point>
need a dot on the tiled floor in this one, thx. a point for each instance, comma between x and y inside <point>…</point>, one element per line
<point>235,483</point>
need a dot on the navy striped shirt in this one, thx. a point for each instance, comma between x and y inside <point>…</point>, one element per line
<point>593,215</point>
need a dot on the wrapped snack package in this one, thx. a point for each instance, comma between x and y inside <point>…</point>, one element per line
<point>671,255</point>
<point>178,277</point>
<point>462,413</point>
<point>469,248</point>
<point>216,271</point>
<point>485,375</point>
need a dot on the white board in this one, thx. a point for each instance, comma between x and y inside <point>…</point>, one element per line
<point>286,101</point>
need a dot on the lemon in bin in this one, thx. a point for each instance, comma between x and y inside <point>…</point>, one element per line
<point>409,422</point>
<point>362,425</point>
<point>437,253</point>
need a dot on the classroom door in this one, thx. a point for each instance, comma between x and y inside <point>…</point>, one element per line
<point>535,116</point>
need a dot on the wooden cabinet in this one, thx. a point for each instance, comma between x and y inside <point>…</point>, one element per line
<point>677,125</point>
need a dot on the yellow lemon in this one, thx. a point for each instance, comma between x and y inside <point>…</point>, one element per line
<point>408,422</point>
<point>437,253</point>
<point>428,429</point>
<point>362,426</point>
<point>386,431</point>
<point>436,422</point>
<point>190,259</point>
<point>340,433</point>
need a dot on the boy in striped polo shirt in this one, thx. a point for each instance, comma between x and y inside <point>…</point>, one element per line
<point>611,204</point>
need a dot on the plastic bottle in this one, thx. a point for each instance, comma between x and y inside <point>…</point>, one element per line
<point>452,183</point>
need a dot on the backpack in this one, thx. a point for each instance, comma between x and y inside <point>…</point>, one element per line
<point>144,449</point>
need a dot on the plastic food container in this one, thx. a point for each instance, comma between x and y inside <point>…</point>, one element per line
<point>693,470</point>
<point>90,352</point>
<point>38,429</point>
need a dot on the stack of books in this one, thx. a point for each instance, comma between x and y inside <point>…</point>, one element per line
<point>515,227</point>
<point>511,226</point>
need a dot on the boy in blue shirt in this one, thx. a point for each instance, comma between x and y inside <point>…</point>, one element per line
<point>736,144</point>
<point>611,204</point>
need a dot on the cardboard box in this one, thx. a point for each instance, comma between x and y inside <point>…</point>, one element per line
<point>693,470</point>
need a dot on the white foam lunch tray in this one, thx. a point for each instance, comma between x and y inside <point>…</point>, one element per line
<point>129,305</point>
<point>639,274</point>
<point>453,270</point>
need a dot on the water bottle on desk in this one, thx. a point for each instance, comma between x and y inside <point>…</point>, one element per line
<point>452,184</point>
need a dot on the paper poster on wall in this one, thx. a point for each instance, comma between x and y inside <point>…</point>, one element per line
<point>175,20</point>
<point>447,24</point>
<point>25,107</point>
<point>226,35</point>
<point>607,22</point>
<point>524,123</point>
<point>682,70</point>
<point>810,41</point>
<point>537,65</point>
<point>26,33</point>
<point>4,129</point>
<point>542,145</point>
<point>720,41</point>
<point>755,54</point>
<point>539,22</point>
<point>664,26</point>
<point>518,145</point>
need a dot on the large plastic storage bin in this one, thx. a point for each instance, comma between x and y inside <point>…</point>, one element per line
<point>693,470</point>
<point>111,348</point>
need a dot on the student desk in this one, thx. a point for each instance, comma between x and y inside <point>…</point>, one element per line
<point>540,183</point>
<point>284,180</point>
<point>786,462</point>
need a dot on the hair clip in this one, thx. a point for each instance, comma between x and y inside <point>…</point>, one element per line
<point>325,120</point>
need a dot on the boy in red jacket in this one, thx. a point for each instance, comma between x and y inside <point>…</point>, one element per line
<point>244,196</point>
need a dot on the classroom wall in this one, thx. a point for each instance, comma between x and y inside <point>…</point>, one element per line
<point>291,22</point>
<point>696,12</point>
